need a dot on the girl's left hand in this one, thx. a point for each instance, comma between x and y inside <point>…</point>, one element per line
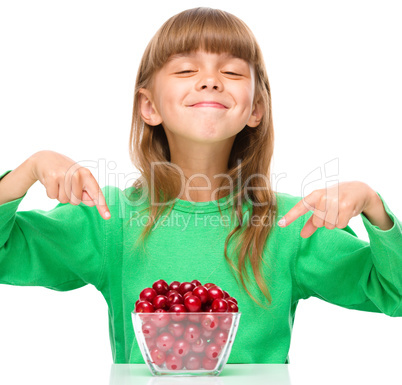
<point>333,206</point>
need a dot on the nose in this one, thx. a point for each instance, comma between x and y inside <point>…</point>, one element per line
<point>210,81</point>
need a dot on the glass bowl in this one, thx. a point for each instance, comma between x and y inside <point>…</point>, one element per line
<point>185,344</point>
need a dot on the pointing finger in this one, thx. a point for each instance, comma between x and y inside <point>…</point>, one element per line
<point>308,229</point>
<point>87,200</point>
<point>300,208</point>
<point>95,193</point>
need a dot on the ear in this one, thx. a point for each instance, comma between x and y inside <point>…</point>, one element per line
<point>148,111</point>
<point>256,115</point>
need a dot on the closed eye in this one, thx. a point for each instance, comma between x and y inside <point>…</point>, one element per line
<point>228,72</point>
<point>232,73</point>
<point>184,72</point>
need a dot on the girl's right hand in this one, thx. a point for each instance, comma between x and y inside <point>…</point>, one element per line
<point>67,181</point>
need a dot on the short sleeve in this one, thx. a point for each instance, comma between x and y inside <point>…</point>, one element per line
<point>61,249</point>
<point>338,267</point>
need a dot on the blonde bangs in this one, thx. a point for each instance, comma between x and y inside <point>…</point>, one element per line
<point>212,30</point>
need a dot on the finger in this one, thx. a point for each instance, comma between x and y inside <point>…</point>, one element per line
<point>72,178</point>
<point>76,190</point>
<point>52,190</point>
<point>300,208</point>
<point>320,212</point>
<point>95,193</point>
<point>332,215</point>
<point>308,229</point>
<point>61,193</point>
<point>67,185</point>
<point>343,220</point>
<point>87,200</point>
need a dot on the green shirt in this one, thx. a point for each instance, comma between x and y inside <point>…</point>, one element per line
<point>71,246</point>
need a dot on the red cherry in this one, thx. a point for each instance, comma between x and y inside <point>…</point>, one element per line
<point>192,361</point>
<point>151,343</point>
<point>219,305</point>
<point>194,317</point>
<point>199,345</point>
<point>144,307</point>
<point>209,322</point>
<point>174,286</point>
<point>172,291</point>
<point>178,308</point>
<point>202,293</point>
<point>231,299</point>
<point>174,298</point>
<point>209,364</point>
<point>174,362</point>
<point>179,311</point>
<point>160,286</point>
<point>225,322</point>
<point>208,285</point>
<point>212,351</point>
<point>148,294</point>
<point>160,318</point>
<point>149,329</point>
<point>220,337</point>
<point>225,294</point>
<point>186,295</point>
<point>160,302</point>
<point>181,347</point>
<point>164,341</point>
<point>158,356</point>
<point>232,306</point>
<point>185,287</point>
<point>207,333</point>
<point>215,292</point>
<point>176,328</point>
<point>196,282</point>
<point>192,303</point>
<point>191,333</point>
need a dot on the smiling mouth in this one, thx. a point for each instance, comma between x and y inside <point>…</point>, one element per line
<point>209,104</point>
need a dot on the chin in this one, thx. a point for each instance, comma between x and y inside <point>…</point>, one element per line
<point>213,129</point>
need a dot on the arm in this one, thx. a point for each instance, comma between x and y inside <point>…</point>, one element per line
<point>338,267</point>
<point>61,249</point>
<point>376,213</point>
<point>15,184</point>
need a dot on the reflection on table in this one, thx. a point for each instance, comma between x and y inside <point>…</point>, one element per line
<point>232,374</point>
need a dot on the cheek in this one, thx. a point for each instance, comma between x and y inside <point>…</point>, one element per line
<point>246,96</point>
<point>170,96</point>
<point>250,95</point>
<point>244,92</point>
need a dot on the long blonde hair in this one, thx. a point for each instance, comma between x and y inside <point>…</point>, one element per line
<point>215,31</point>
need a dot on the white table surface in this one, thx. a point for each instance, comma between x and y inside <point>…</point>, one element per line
<point>138,374</point>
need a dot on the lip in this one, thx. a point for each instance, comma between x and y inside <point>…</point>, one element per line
<point>209,104</point>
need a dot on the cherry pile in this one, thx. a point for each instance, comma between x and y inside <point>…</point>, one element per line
<point>177,339</point>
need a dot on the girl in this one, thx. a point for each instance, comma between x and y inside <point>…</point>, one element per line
<point>202,138</point>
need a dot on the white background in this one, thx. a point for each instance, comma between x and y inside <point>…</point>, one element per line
<point>67,74</point>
